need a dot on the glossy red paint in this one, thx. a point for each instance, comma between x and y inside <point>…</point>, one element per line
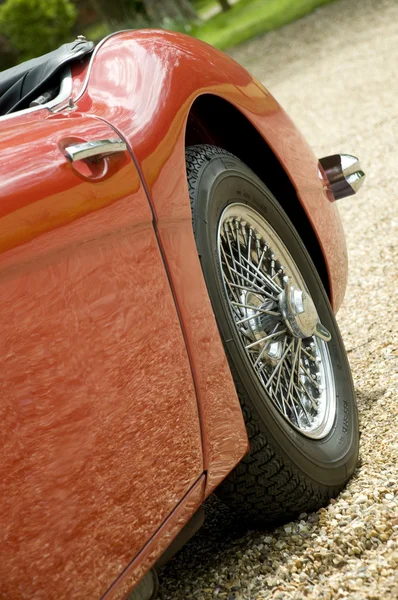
<point>144,83</point>
<point>160,541</point>
<point>101,436</point>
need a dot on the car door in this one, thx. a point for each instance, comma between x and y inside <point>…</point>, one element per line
<point>101,437</point>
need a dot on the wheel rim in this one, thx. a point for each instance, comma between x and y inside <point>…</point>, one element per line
<point>276,321</point>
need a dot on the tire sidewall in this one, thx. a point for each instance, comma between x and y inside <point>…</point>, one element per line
<point>331,460</point>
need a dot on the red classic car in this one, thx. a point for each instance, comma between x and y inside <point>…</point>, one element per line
<point>170,253</point>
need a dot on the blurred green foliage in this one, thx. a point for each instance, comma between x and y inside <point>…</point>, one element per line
<point>34,27</point>
<point>137,20</point>
<point>248,18</point>
<point>29,28</point>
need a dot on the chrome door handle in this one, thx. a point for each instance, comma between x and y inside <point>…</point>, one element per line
<point>96,149</point>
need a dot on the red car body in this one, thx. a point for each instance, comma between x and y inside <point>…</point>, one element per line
<point>118,408</point>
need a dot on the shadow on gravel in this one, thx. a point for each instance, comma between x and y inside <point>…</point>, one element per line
<point>366,402</point>
<point>223,540</point>
<point>219,535</point>
<point>222,547</point>
<point>366,399</point>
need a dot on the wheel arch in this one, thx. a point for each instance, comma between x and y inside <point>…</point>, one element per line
<point>214,120</point>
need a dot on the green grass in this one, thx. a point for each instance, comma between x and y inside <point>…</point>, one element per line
<point>202,6</point>
<point>249,18</point>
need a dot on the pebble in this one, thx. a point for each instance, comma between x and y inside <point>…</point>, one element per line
<point>361,499</point>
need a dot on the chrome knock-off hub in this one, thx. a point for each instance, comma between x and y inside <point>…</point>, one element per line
<point>299,313</point>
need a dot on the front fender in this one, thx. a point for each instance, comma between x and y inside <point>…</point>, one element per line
<point>144,83</point>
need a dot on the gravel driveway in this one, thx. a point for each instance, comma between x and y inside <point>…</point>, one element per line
<point>335,72</point>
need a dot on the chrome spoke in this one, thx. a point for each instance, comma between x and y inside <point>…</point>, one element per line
<point>279,365</point>
<point>237,241</point>
<point>248,289</point>
<point>260,262</point>
<point>293,368</point>
<point>310,356</point>
<point>266,279</point>
<point>229,244</point>
<point>310,377</point>
<point>264,339</point>
<point>249,245</point>
<point>255,286</point>
<point>260,310</point>
<point>262,277</point>
<point>265,346</point>
<point>233,292</point>
<point>264,312</point>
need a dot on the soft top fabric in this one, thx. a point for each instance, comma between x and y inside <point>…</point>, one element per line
<point>21,84</point>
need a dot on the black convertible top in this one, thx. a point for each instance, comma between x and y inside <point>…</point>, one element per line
<point>23,83</point>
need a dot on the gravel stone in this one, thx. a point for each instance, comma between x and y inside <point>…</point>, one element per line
<point>335,73</point>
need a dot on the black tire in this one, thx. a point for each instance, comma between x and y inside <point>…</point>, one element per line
<point>285,473</point>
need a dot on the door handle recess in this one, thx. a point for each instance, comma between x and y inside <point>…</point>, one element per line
<point>95,149</point>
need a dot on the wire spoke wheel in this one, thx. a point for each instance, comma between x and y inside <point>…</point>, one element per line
<point>281,340</point>
<point>259,274</point>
